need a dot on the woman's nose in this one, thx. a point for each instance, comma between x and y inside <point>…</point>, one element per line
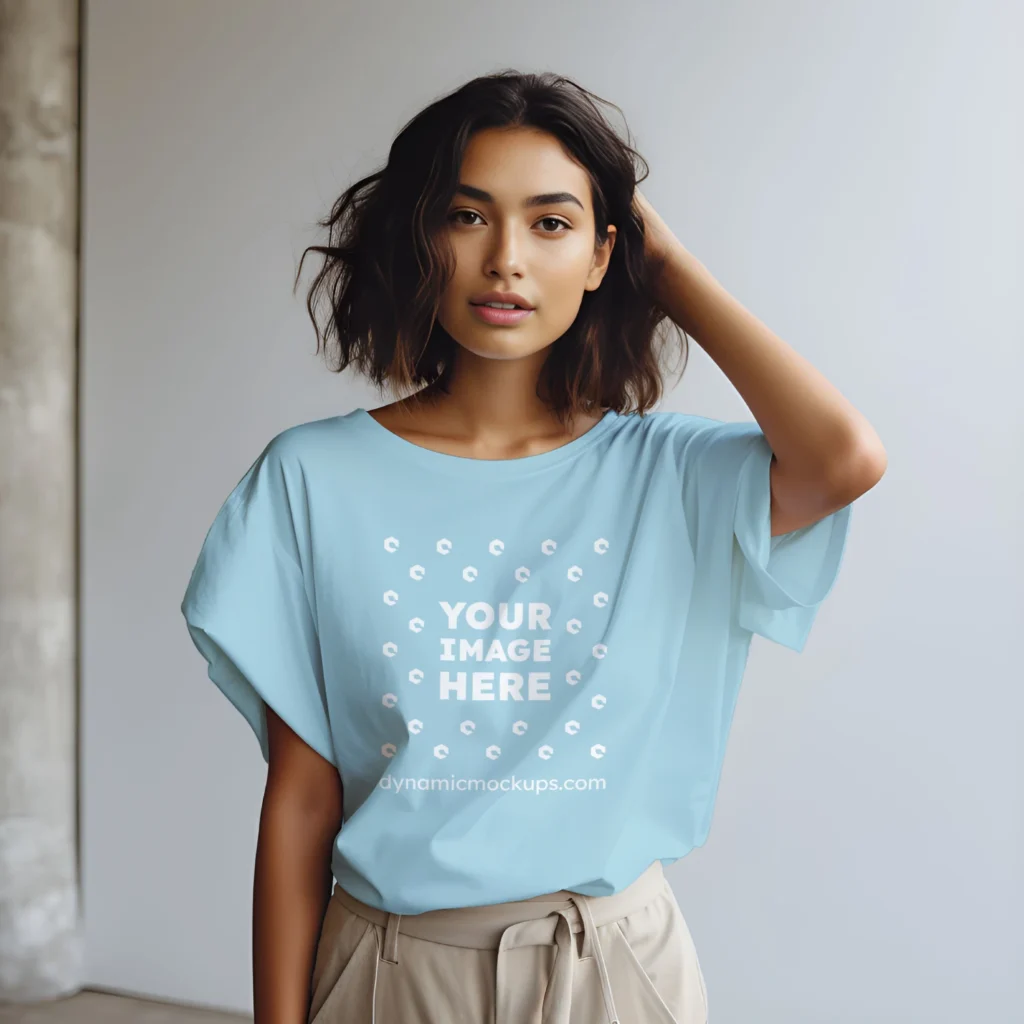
<point>505,252</point>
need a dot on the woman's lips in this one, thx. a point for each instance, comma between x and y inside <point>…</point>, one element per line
<point>502,317</point>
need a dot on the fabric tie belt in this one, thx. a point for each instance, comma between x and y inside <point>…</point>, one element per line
<point>548,920</point>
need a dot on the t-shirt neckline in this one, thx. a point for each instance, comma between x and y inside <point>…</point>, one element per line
<point>428,458</point>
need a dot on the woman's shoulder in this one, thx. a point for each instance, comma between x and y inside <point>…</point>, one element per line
<point>676,427</point>
<point>310,437</point>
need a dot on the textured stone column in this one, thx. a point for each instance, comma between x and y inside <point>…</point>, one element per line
<point>40,941</point>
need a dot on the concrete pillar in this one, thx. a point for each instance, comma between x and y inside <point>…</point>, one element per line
<point>40,940</point>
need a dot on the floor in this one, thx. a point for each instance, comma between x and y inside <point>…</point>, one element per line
<point>101,1008</point>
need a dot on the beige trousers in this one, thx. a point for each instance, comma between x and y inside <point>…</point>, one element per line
<point>560,958</point>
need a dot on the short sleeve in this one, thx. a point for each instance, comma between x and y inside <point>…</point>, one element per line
<point>775,584</point>
<point>248,609</point>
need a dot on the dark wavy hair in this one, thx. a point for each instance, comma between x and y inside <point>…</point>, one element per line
<point>386,263</point>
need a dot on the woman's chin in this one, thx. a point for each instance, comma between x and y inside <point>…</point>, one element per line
<point>491,344</point>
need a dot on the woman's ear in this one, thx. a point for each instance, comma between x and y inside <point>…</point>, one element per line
<point>602,257</point>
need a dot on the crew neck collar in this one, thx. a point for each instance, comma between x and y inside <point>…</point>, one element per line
<point>430,459</point>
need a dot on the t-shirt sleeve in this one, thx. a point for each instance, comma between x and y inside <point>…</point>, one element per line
<point>249,609</point>
<point>775,584</point>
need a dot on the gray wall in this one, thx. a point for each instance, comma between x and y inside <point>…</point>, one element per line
<point>851,172</point>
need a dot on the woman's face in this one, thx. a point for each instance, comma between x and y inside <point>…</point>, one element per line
<point>505,240</point>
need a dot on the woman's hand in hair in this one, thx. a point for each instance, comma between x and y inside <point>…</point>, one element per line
<point>659,241</point>
<point>658,237</point>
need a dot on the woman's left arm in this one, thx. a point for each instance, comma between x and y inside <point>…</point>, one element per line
<point>826,454</point>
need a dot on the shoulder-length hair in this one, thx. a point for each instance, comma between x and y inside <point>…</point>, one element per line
<point>386,263</point>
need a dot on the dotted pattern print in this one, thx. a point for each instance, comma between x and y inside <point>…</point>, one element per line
<point>456,681</point>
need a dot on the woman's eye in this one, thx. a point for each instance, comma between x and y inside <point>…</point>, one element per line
<point>544,220</point>
<point>554,220</point>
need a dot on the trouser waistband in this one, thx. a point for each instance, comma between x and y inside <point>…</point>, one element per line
<point>482,927</point>
<point>549,920</point>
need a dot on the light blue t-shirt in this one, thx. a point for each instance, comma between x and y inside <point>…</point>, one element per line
<point>525,669</point>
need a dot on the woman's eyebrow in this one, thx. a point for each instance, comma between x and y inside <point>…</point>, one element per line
<point>545,199</point>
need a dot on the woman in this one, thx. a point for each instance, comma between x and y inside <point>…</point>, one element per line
<point>490,635</point>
